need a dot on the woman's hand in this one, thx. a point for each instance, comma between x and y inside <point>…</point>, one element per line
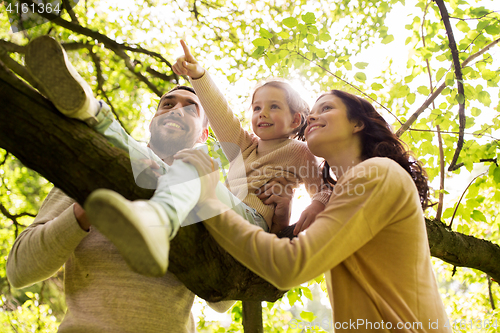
<point>207,168</point>
<point>187,64</point>
<point>308,216</point>
<point>278,192</point>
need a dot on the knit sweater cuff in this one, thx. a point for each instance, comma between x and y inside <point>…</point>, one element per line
<point>67,230</point>
<point>323,196</point>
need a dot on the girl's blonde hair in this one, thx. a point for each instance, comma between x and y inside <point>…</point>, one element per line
<point>294,102</point>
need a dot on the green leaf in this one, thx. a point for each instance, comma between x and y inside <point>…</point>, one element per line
<point>484,97</point>
<point>265,34</point>
<point>347,65</point>
<point>309,18</point>
<point>423,90</point>
<point>360,76</point>
<point>284,34</point>
<point>302,28</point>
<point>460,99</point>
<point>261,42</point>
<point>387,39</point>
<point>410,98</point>
<point>324,37</point>
<point>448,212</point>
<point>496,175</point>
<point>463,26</point>
<point>259,51</point>
<point>377,86</point>
<point>493,29</point>
<point>478,216</point>
<point>308,316</point>
<point>307,293</point>
<point>361,65</point>
<point>312,29</point>
<point>475,112</point>
<point>320,53</point>
<point>310,39</point>
<point>290,22</point>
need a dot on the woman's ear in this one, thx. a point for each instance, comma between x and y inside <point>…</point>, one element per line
<point>358,127</point>
<point>297,119</point>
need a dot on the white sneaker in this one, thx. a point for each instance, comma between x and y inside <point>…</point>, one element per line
<point>139,229</point>
<point>48,63</point>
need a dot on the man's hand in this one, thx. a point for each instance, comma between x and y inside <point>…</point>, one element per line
<point>81,217</point>
<point>208,170</point>
<point>278,192</point>
<point>187,64</point>
<point>308,216</point>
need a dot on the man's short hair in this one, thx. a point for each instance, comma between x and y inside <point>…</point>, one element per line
<point>191,90</point>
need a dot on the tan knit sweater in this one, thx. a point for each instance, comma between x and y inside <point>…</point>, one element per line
<point>371,244</point>
<point>290,159</point>
<point>102,293</point>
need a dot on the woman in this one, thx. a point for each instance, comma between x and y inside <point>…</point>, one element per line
<point>370,241</point>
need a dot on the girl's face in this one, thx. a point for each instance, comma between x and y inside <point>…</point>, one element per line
<point>272,118</point>
<point>328,128</point>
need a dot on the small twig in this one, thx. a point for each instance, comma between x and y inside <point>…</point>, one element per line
<point>441,171</point>
<point>451,132</point>
<point>458,203</point>
<point>100,86</point>
<point>473,18</point>
<point>490,293</point>
<point>70,11</point>
<point>5,158</point>
<point>18,68</point>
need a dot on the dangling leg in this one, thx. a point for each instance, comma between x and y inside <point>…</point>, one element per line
<point>48,63</point>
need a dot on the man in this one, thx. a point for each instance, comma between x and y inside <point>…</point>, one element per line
<point>102,293</point>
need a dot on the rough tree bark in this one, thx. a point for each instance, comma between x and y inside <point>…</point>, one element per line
<point>78,160</point>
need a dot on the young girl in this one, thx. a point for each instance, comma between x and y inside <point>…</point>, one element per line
<point>278,115</point>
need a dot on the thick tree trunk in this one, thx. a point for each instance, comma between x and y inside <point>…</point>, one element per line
<point>252,317</point>
<point>78,160</point>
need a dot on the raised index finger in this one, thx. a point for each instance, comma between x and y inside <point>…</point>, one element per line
<point>187,52</point>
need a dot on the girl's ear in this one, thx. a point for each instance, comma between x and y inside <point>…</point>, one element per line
<point>358,127</point>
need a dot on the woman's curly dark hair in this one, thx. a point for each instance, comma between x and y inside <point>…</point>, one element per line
<point>378,140</point>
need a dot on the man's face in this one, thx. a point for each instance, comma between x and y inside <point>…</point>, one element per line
<point>177,124</point>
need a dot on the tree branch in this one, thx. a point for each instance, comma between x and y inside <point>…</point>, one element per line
<point>70,11</point>
<point>453,247</point>
<point>458,74</point>
<point>438,91</point>
<point>441,176</point>
<point>461,197</point>
<point>117,48</point>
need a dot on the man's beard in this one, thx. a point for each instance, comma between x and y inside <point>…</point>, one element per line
<point>163,145</point>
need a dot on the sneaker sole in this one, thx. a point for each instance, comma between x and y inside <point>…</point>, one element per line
<point>45,61</point>
<point>125,236</point>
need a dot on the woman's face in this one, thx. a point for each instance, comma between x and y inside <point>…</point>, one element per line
<point>329,130</point>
